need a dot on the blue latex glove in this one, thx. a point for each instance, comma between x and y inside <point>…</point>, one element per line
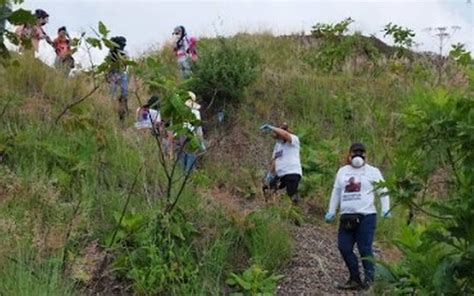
<point>387,215</point>
<point>267,127</point>
<point>329,217</point>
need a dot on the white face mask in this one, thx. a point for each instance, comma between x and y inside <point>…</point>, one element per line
<point>357,161</point>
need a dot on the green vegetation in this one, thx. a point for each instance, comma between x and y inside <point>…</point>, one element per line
<point>87,203</point>
<point>223,71</point>
<point>254,281</point>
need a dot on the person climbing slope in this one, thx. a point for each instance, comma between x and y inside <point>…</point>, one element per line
<point>285,163</point>
<point>62,46</point>
<point>353,190</point>
<point>181,50</point>
<point>31,35</point>
<point>117,76</point>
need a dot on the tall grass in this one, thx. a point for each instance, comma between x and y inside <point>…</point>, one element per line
<point>25,275</point>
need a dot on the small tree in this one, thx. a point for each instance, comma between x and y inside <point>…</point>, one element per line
<point>337,46</point>
<point>438,251</point>
<point>402,37</point>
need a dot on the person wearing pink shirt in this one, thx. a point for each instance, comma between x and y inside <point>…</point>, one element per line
<point>62,46</point>
<point>31,35</point>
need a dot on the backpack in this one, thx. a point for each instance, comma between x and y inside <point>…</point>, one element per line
<point>192,50</point>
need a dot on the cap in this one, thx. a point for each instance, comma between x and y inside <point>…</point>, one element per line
<point>357,147</point>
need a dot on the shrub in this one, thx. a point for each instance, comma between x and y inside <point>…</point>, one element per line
<point>223,72</point>
<point>438,257</point>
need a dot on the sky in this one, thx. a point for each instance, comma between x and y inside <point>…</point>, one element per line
<point>148,24</point>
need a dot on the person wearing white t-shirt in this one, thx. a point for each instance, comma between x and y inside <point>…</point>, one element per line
<point>354,192</point>
<point>147,117</point>
<point>286,163</point>
<point>188,157</point>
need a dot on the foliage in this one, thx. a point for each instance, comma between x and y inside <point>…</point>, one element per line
<point>224,71</point>
<point>460,54</point>
<point>438,134</point>
<point>331,31</point>
<point>337,46</point>
<point>254,281</point>
<point>402,36</point>
<point>157,256</point>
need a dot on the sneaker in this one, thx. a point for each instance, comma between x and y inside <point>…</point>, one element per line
<point>350,285</point>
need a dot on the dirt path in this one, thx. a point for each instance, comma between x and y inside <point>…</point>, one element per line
<point>316,265</point>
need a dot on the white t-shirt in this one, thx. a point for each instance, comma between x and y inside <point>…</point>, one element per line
<point>287,157</point>
<point>354,191</point>
<point>144,120</point>
<point>197,130</point>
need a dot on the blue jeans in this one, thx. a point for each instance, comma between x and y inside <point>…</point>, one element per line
<point>188,161</point>
<point>363,235</point>
<point>119,80</point>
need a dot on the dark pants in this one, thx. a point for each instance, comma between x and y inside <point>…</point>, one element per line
<point>290,182</point>
<point>363,235</point>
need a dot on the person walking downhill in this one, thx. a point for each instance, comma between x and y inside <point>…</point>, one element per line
<point>31,35</point>
<point>117,76</point>
<point>62,46</point>
<point>181,49</point>
<point>353,191</point>
<point>285,164</point>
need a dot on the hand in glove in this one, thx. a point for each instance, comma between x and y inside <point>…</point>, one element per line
<point>386,215</point>
<point>328,217</point>
<point>267,127</point>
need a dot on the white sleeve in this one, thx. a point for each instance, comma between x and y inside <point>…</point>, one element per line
<point>335,196</point>
<point>295,141</point>
<point>383,193</point>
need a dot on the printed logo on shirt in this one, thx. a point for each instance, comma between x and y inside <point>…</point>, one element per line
<point>352,185</point>
<point>278,154</point>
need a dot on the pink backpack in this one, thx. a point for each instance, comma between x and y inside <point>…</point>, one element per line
<point>193,48</point>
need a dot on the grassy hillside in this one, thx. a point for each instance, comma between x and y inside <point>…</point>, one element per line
<point>64,185</point>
